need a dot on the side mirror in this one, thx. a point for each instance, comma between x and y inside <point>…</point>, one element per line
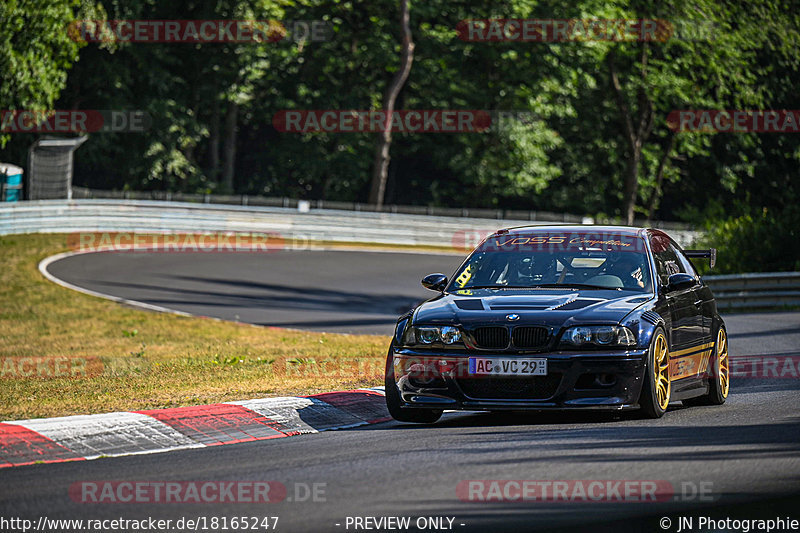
<point>680,281</point>
<point>435,282</point>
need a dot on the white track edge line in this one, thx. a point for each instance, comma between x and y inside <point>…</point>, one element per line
<point>44,263</point>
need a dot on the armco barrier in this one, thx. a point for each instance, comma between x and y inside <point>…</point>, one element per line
<point>267,201</point>
<point>68,216</point>
<point>271,201</point>
<point>761,291</point>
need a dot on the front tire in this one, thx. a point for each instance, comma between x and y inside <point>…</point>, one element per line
<point>719,382</point>
<point>657,387</point>
<point>393,401</point>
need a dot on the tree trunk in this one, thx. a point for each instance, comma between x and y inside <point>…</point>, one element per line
<point>637,130</point>
<point>213,143</point>
<point>229,151</point>
<point>380,165</point>
<point>651,208</point>
<point>632,184</point>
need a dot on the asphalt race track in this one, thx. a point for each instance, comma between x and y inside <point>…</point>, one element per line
<point>336,291</point>
<point>740,460</point>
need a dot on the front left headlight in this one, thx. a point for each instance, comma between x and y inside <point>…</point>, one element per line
<point>426,335</point>
<point>612,336</point>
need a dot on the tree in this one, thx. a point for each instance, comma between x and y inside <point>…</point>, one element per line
<point>691,69</point>
<point>586,133</point>
<point>36,50</point>
<point>382,157</point>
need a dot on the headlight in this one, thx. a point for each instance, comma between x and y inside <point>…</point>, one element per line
<point>428,335</point>
<point>450,335</point>
<point>432,334</point>
<point>598,335</point>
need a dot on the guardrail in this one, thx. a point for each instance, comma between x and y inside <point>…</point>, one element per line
<point>70,216</point>
<point>761,291</point>
<point>270,201</point>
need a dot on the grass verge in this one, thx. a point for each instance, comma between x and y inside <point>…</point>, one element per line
<point>63,352</point>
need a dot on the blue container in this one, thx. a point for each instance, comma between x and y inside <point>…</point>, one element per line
<point>10,183</point>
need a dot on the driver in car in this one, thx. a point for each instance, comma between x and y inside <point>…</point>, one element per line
<point>630,270</point>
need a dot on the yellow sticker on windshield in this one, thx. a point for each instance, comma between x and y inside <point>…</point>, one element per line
<point>464,277</point>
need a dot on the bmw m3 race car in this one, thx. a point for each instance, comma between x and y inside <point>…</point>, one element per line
<point>562,317</point>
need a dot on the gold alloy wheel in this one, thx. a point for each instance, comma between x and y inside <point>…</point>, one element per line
<point>722,363</point>
<point>661,378</point>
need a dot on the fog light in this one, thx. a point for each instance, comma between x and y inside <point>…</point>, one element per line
<point>606,380</point>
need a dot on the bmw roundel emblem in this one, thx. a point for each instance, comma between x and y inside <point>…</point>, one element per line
<point>512,317</point>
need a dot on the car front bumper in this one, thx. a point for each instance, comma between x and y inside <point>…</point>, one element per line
<point>587,380</point>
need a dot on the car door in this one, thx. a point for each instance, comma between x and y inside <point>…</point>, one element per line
<point>704,297</point>
<point>706,307</point>
<point>686,335</point>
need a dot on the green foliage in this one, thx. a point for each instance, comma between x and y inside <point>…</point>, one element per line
<point>36,51</point>
<point>567,151</point>
<point>761,241</point>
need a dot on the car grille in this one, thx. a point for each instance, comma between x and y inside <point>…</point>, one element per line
<point>510,388</point>
<point>530,337</point>
<point>491,337</point>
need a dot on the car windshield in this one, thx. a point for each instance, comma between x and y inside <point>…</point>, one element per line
<point>557,260</point>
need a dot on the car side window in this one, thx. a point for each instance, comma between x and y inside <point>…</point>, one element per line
<point>667,260</point>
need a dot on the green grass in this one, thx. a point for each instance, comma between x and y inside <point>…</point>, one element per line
<point>128,359</point>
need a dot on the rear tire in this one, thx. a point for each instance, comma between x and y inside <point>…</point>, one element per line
<point>719,381</point>
<point>657,386</point>
<point>393,402</point>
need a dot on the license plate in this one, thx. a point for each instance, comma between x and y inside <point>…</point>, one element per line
<point>484,366</point>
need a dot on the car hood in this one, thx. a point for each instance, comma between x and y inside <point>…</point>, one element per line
<point>555,308</point>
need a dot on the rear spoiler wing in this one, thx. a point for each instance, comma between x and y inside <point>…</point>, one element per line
<point>711,254</point>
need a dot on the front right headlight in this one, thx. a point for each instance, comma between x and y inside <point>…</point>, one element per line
<point>612,336</point>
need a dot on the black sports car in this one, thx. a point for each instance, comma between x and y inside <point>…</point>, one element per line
<point>562,317</point>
